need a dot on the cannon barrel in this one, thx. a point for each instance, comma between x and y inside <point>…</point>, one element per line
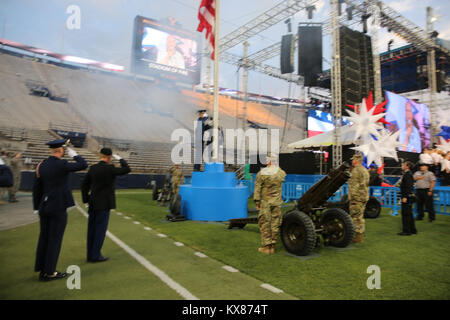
<point>322,190</point>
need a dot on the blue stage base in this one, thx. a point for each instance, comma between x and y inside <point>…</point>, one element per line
<point>213,195</point>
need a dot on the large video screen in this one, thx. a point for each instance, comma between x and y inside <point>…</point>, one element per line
<point>412,119</point>
<point>166,51</point>
<point>320,122</point>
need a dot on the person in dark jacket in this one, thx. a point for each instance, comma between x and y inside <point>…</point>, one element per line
<point>407,196</point>
<point>98,191</point>
<point>374,177</point>
<point>52,196</point>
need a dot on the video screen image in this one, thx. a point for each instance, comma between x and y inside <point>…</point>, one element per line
<point>411,118</point>
<point>168,49</point>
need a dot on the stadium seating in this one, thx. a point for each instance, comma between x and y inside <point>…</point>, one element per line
<point>128,114</point>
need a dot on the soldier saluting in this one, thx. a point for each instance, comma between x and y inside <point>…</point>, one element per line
<point>358,194</point>
<point>51,198</point>
<point>267,197</point>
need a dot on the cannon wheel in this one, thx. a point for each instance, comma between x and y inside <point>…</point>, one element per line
<point>373,208</point>
<point>298,233</point>
<point>339,227</point>
<point>155,192</point>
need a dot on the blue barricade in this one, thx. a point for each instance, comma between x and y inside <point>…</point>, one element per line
<point>389,197</point>
<point>442,200</point>
<point>303,178</point>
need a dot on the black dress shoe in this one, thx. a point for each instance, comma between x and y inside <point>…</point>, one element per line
<point>415,232</point>
<point>57,275</point>
<point>419,219</point>
<point>101,259</point>
<point>404,234</point>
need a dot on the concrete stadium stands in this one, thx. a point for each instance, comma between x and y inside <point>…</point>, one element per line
<point>134,116</point>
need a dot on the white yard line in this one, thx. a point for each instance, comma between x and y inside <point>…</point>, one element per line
<point>230,269</point>
<point>148,265</point>
<point>200,255</point>
<point>271,288</point>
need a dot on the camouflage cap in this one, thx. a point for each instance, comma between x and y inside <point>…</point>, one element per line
<point>357,156</point>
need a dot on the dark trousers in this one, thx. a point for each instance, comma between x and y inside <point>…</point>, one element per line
<point>50,240</point>
<point>97,226</point>
<point>408,225</point>
<point>424,199</point>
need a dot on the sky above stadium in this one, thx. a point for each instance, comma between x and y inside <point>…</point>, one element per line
<point>106,29</point>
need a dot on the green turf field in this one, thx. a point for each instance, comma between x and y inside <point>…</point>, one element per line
<point>415,267</point>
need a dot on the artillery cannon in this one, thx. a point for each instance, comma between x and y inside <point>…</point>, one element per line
<point>313,215</point>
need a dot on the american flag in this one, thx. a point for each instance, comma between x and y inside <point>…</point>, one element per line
<point>207,16</point>
<point>320,122</point>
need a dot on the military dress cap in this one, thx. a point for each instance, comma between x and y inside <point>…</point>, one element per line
<point>201,111</point>
<point>56,143</point>
<point>423,164</point>
<point>106,151</point>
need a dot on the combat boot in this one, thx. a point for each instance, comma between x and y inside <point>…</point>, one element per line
<point>272,249</point>
<point>265,249</point>
<point>358,238</point>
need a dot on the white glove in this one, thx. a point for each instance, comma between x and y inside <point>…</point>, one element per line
<point>36,211</point>
<point>86,205</point>
<point>117,157</point>
<point>1,162</point>
<point>72,153</point>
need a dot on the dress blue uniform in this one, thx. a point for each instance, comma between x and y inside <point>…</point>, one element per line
<point>51,197</point>
<point>97,189</point>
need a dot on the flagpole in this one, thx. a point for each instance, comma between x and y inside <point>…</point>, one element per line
<point>216,85</point>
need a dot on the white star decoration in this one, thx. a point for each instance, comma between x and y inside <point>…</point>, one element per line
<point>366,127</point>
<point>444,146</point>
<point>372,151</point>
<point>385,146</point>
<point>389,143</point>
<point>365,123</point>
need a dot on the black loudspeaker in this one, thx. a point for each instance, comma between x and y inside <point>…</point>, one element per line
<point>303,162</point>
<point>287,54</point>
<point>310,52</point>
<point>357,78</point>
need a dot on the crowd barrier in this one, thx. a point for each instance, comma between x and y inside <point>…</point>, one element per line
<point>389,197</point>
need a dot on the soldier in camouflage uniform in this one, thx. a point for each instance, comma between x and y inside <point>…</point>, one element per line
<point>267,196</point>
<point>177,178</point>
<point>165,194</point>
<point>16,168</point>
<point>358,194</point>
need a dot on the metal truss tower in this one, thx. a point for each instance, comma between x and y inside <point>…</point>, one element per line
<point>336,84</point>
<point>431,69</point>
<point>378,96</point>
<point>280,12</point>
